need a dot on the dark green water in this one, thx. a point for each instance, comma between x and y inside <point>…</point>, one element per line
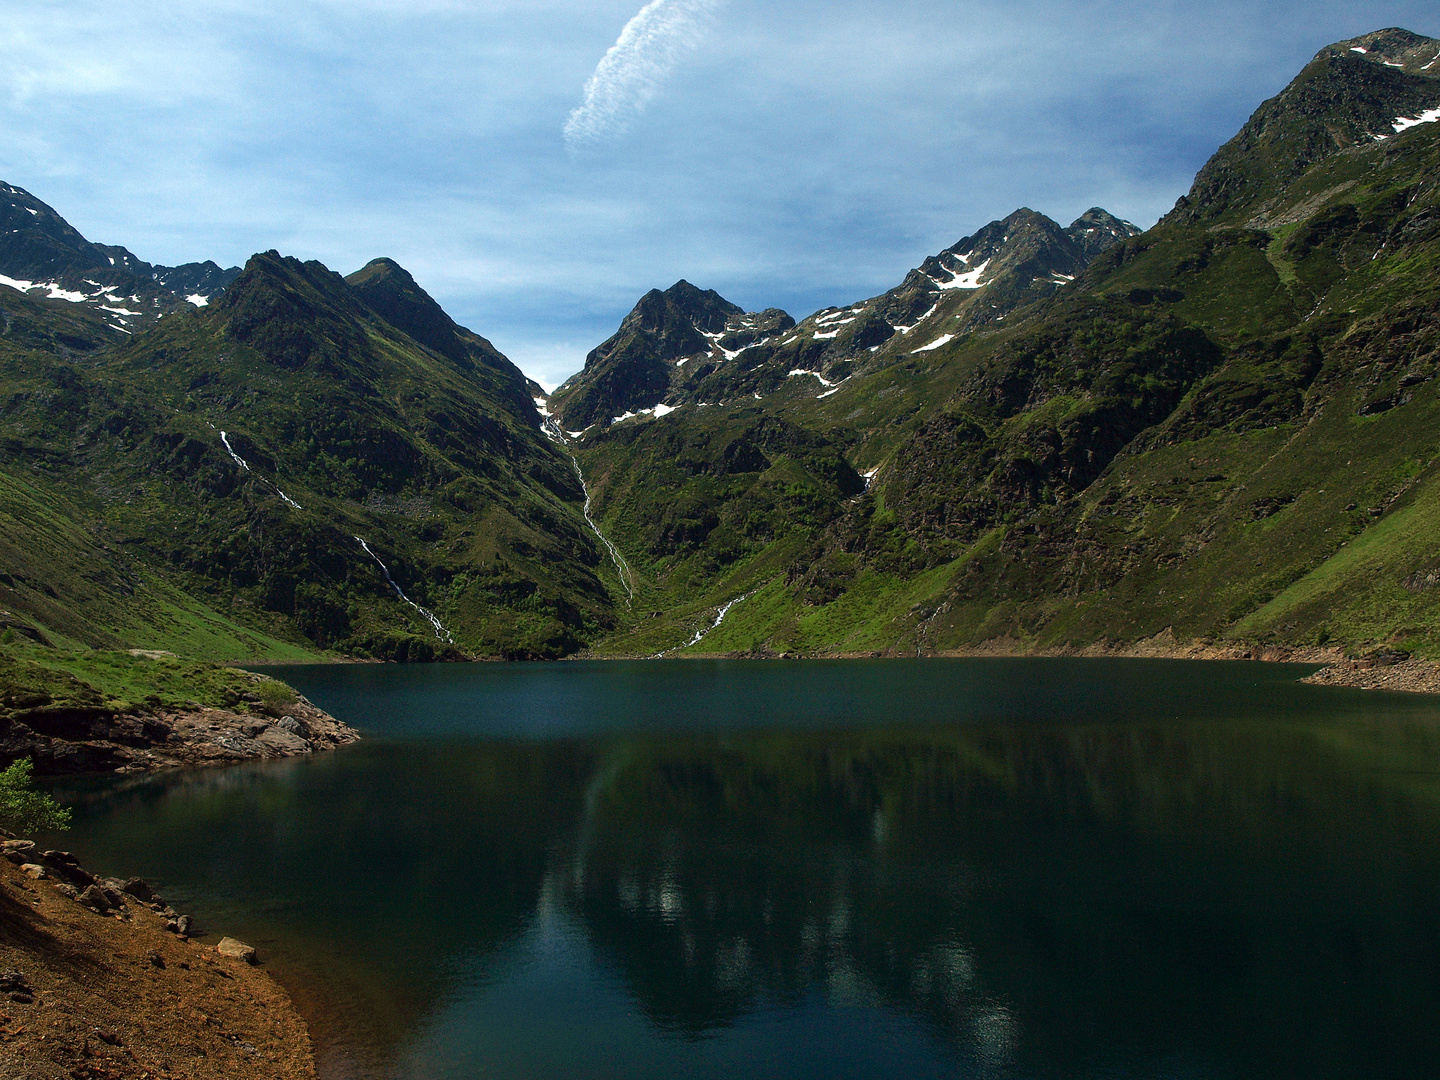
<point>854,869</point>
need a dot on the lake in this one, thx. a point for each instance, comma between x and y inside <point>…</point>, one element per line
<point>937,868</point>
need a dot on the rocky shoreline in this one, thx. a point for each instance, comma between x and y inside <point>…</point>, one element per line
<point>67,739</point>
<point>100,980</point>
<point>1382,669</point>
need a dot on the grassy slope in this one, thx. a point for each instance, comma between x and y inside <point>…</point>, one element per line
<point>438,463</point>
<point>80,590</point>
<point>1287,496</point>
<point>34,675</point>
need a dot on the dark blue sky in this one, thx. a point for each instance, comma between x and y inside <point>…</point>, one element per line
<point>538,165</point>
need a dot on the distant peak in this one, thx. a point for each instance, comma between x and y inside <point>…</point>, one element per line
<point>1393,47</point>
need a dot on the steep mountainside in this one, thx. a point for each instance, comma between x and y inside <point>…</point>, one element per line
<point>1225,426</point>
<point>288,469</point>
<point>684,346</point>
<point>43,256</point>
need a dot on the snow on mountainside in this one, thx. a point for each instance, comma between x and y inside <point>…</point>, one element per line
<point>688,346</point>
<point>44,257</point>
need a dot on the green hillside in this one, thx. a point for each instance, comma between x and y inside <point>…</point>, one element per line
<point>1058,436</point>
<point>1227,425</point>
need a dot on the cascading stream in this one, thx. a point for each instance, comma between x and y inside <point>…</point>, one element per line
<point>706,631</point>
<point>440,631</point>
<point>225,438</point>
<point>553,429</point>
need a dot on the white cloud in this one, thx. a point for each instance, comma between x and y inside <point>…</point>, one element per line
<point>630,74</point>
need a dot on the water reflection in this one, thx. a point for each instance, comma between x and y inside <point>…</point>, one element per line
<point>1223,897</point>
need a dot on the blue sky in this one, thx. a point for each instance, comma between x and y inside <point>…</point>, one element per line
<point>540,165</point>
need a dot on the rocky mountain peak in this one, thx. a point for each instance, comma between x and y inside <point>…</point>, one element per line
<point>1415,54</point>
<point>1353,94</point>
<point>388,288</point>
<point>1097,230</point>
<point>45,257</point>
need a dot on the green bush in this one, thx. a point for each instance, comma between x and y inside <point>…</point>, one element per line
<point>275,694</point>
<point>22,808</point>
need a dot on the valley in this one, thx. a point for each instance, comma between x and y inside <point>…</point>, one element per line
<point>1058,437</point>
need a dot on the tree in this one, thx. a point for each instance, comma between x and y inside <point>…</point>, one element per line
<point>22,808</point>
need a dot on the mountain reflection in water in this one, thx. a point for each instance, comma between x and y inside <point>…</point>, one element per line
<point>1236,883</point>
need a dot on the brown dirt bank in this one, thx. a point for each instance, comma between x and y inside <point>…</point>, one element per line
<point>107,993</point>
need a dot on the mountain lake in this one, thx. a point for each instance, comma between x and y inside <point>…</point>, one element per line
<point>825,869</point>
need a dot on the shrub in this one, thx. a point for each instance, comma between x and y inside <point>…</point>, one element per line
<point>275,694</point>
<point>22,808</point>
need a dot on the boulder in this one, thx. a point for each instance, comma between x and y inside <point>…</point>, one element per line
<point>293,726</point>
<point>283,741</point>
<point>137,888</point>
<point>33,870</point>
<point>18,851</point>
<point>236,950</point>
<point>94,898</point>
<point>65,866</point>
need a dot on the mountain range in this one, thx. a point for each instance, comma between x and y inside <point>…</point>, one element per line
<point>1225,427</point>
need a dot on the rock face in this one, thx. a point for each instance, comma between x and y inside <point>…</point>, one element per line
<point>1349,96</point>
<point>42,255</point>
<point>685,346</point>
<point>632,370</point>
<point>74,740</point>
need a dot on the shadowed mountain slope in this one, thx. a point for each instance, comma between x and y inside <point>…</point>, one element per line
<point>288,457</point>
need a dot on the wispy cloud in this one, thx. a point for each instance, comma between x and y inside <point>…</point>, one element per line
<point>630,74</point>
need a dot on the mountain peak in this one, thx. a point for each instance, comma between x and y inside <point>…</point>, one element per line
<point>1097,229</point>
<point>392,292</point>
<point>1353,94</point>
<point>1392,47</point>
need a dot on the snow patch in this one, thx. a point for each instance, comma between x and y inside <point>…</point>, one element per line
<point>197,300</point>
<point>654,410</point>
<point>823,381</point>
<point>1404,123</point>
<point>968,280</point>
<point>732,355</point>
<point>937,343</point>
<point>1362,52</point>
<point>54,291</point>
<point>917,322</point>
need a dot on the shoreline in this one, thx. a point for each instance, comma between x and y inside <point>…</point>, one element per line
<point>66,740</point>
<point>101,982</point>
<point>1389,671</point>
